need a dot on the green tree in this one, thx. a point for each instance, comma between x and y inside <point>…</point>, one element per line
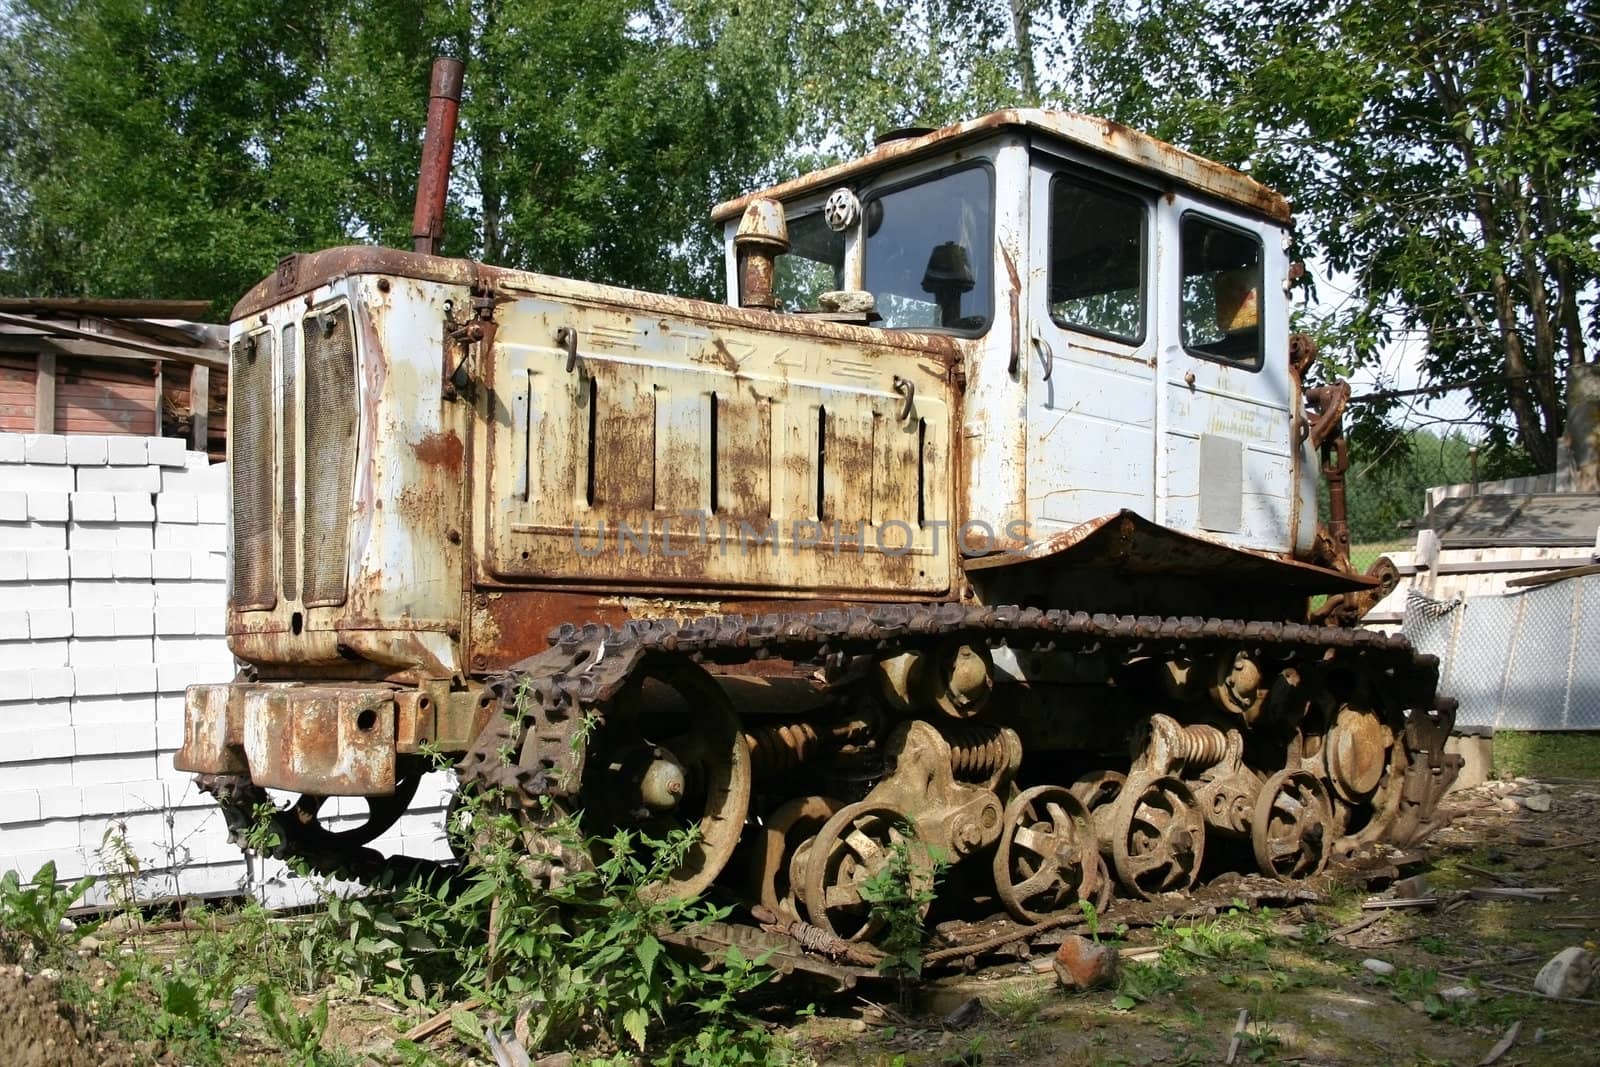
<point>167,149</point>
<point>1443,155</point>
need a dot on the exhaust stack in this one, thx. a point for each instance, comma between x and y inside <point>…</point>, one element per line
<point>438,145</point>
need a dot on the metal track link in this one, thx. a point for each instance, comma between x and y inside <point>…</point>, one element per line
<point>545,696</point>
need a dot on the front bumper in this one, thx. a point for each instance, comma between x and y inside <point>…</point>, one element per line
<point>327,740</point>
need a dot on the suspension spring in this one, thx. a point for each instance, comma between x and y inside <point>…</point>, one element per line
<point>1198,746</point>
<point>782,747</point>
<point>977,752</point>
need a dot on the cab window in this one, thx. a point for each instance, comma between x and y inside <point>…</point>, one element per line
<point>929,252</point>
<point>813,265</point>
<point>1222,277</point>
<point>1097,259</point>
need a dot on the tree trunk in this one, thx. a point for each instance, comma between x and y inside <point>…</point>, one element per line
<point>1022,33</point>
<point>1583,425</point>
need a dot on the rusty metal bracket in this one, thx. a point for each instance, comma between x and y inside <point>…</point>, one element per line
<point>567,338</point>
<point>908,394</point>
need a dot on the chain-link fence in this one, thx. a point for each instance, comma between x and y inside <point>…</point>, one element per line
<point>1527,659</point>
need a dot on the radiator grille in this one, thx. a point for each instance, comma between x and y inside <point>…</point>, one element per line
<point>330,451</point>
<point>250,448</point>
<point>288,497</point>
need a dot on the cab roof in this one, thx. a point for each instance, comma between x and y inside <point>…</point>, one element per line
<point>1103,136</point>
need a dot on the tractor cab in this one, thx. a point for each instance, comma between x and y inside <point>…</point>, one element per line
<point>1119,305</point>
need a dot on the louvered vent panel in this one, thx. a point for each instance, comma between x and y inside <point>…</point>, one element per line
<point>288,494</point>
<point>250,456</point>
<point>330,444</point>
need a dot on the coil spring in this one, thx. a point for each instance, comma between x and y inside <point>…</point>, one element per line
<point>1200,746</point>
<point>977,752</point>
<point>781,747</point>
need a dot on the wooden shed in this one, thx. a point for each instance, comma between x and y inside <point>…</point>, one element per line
<point>86,365</point>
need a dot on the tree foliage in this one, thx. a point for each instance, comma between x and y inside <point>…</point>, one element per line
<point>1443,155</point>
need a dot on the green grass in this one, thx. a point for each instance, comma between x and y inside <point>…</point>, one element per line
<point>1547,755</point>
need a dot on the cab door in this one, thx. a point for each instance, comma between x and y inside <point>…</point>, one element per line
<point>1225,457</point>
<point>1091,348</point>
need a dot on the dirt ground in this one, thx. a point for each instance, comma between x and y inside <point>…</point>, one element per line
<point>1462,975</point>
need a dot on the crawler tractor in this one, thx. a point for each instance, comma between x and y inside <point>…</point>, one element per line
<point>983,517</point>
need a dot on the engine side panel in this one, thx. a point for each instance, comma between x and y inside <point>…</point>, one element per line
<point>680,452</point>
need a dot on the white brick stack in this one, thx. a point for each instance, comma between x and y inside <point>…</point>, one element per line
<point>113,567</point>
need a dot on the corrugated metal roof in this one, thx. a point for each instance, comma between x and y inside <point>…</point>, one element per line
<point>1529,520</point>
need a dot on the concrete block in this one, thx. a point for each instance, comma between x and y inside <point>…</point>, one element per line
<point>169,738</point>
<point>13,565</point>
<point>48,507</point>
<point>94,507</point>
<point>13,506</point>
<point>119,480</point>
<point>32,479</point>
<point>94,622</point>
<point>189,649</point>
<point>40,448</point>
<point>135,507</point>
<point>52,683</point>
<point>41,773</point>
<point>38,594</point>
<point>19,805</point>
<point>123,799</point>
<point>183,537</point>
<point>33,535</point>
<point>1477,752</point>
<point>214,509</point>
<point>176,677</point>
<point>169,564</point>
<point>32,655</point>
<point>16,687</point>
<point>174,620</point>
<point>111,710</point>
<point>95,681</point>
<point>86,450</point>
<point>92,652</point>
<point>191,594</point>
<point>127,451</point>
<point>202,478</point>
<point>90,563</point>
<point>60,802</point>
<point>177,507</point>
<point>211,620</point>
<point>208,566</point>
<point>134,622</point>
<point>111,536</point>
<point>12,448</point>
<point>47,564</point>
<point>130,564</point>
<point>14,626</point>
<point>125,593</point>
<point>138,678</point>
<point>117,768</point>
<point>46,623</point>
<point>167,452</point>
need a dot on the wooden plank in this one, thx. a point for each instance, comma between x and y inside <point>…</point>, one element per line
<point>110,308</point>
<point>199,407</point>
<point>208,357</point>
<point>44,394</point>
<point>155,430</point>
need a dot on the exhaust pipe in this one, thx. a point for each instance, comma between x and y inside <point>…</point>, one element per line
<point>438,145</point>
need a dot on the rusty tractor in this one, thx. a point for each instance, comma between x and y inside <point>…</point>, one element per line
<point>982,518</point>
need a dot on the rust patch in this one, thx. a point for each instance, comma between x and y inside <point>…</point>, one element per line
<point>441,450</point>
<point>721,356</point>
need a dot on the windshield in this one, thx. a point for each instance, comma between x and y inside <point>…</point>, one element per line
<point>813,265</point>
<point>929,262</point>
